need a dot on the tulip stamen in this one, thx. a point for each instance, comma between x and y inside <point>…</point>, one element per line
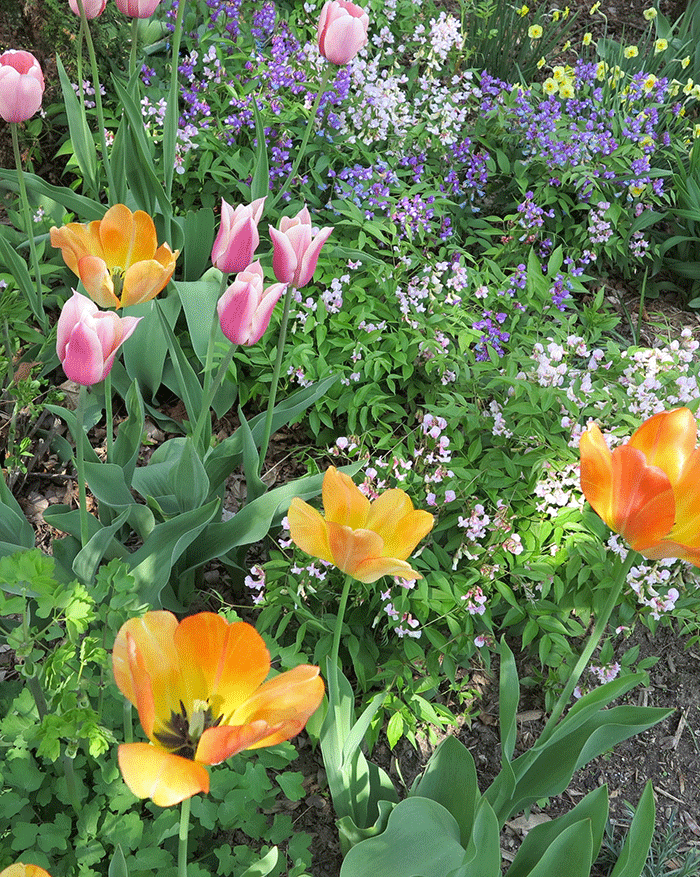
<point>181,733</point>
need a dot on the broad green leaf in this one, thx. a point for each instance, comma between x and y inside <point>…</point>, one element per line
<point>145,351</point>
<point>450,779</point>
<point>18,268</point>
<point>15,530</point>
<point>188,479</point>
<point>80,134</point>
<point>189,386</point>
<point>255,486</point>
<point>106,481</point>
<point>85,209</point>
<point>421,840</point>
<point>199,304</point>
<point>262,867</point>
<point>483,855</point>
<point>635,850</point>
<point>198,228</point>
<point>508,697</point>
<point>68,521</point>
<point>569,855</point>
<point>260,184</point>
<point>89,558</point>
<point>126,448</point>
<point>118,866</point>
<point>594,807</point>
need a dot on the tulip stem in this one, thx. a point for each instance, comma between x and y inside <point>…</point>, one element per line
<point>601,623</point>
<point>134,45</point>
<point>80,466</point>
<point>182,836</point>
<point>172,113</point>
<point>208,396</point>
<point>208,364</point>
<point>37,304</point>
<point>109,418</point>
<point>85,31</point>
<point>275,377</point>
<point>325,78</point>
<point>338,629</point>
<point>128,723</point>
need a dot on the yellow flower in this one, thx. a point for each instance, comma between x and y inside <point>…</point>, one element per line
<point>566,46</point>
<point>199,687</point>
<point>660,46</point>
<point>534,31</point>
<point>688,87</point>
<point>635,191</point>
<point>559,73</point>
<point>566,12</point>
<point>649,82</point>
<point>600,70</point>
<point>19,869</point>
<point>630,52</point>
<point>541,62</point>
<point>365,540</point>
<point>594,8</point>
<point>696,134</point>
<point>685,61</point>
<point>695,93</point>
<point>523,11</point>
<point>117,258</point>
<point>550,86</point>
<point>587,39</point>
<point>566,90</point>
<point>648,489</point>
<point>556,15</point>
<point>650,14</point>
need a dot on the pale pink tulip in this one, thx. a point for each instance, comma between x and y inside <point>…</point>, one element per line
<point>238,237</point>
<point>297,246</point>
<point>138,8</point>
<point>342,31</point>
<point>87,339</point>
<point>21,85</point>
<point>245,308</point>
<point>92,8</point>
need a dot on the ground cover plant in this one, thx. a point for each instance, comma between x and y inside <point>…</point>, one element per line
<point>375,227</point>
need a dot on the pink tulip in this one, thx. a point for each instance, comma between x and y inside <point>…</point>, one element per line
<point>245,309</point>
<point>238,237</point>
<point>92,8</point>
<point>296,248</point>
<point>138,8</point>
<point>342,31</point>
<point>21,85</point>
<point>87,339</point>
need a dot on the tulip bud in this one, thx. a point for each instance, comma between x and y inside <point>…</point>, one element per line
<point>238,238</point>
<point>342,31</point>
<point>245,309</point>
<point>92,8</point>
<point>138,8</point>
<point>297,247</point>
<point>87,339</point>
<point>21,85</point>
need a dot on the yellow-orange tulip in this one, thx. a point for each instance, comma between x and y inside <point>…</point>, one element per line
<point>117,257</point>
<point>21,870</point>
<point>200,692</point>
<point>365,540</point>
<point>648,490</point>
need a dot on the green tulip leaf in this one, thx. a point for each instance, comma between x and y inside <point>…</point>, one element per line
<point>483,855</point>
<point>189,482</point>
<point>635,850</point>
<point>508,698</point>
<point>421,840</point>
<point>126,448</point>
<point>569,855</point>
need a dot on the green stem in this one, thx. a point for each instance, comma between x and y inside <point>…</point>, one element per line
<point>328,72</point>
<point>109,418</point>
<point>134,46</point>
<point>601,623</point>
<point>182,838</point>
<point>80,466</point>
<point>212,336</point>
<point>275,377</point>
<point>37,305</point>
<point>208,397</point>
<point>9,377</point>
<point>332,664</point>
<point>85,29</point>
<point>172,114</point>
<point>128,722</point>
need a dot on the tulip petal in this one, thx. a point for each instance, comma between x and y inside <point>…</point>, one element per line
<point>308,530</point>
<point>350,547</point>
<point>97,281</point>
<point>643,509</point>
<point>400,525</point>
<point>143,281</point>
<point>262,316</point>
<point>218,744</point>
<point>284,703</point>
<point>343,501</point>
<point>686,529</point>
<point>221,662</point>
<point>83,361</point>
<point>374,568</point>
<point>152,772</point>
<point>596,472</point>
<point>310,256</point>
<point>284,259</point>
<point>667,440</point>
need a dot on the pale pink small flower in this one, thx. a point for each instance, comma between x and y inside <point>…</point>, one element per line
<point>87,339</point>
<point>21,85</point>
<point>342,31</point>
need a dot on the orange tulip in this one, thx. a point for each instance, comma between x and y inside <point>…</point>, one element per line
<point>199,689</point>
<point>365,540</point>
<point>117,258</point>
<point>648,490</point>
<point>21,870</point>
